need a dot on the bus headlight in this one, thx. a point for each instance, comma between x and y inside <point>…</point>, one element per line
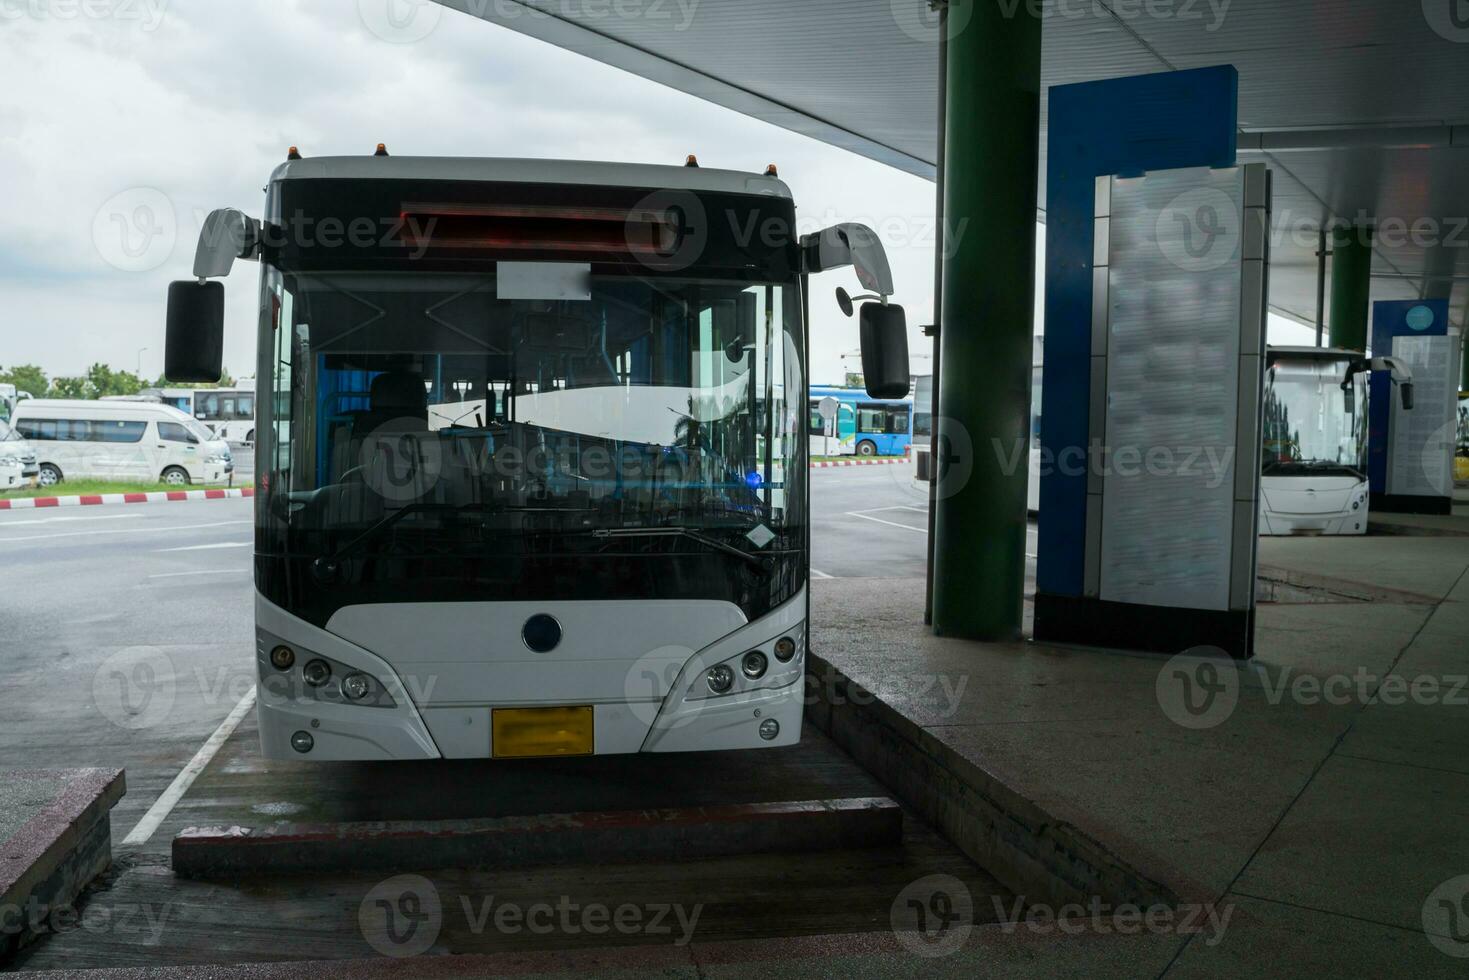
<point>753,665</point>
<point>356,686</point>
<point>720,678</point>
<point>282,657</point>
<point>316,673</point>
<point>785,649</point>
<point>769,729</point>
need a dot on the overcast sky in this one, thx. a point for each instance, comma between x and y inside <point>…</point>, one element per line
<point>122,122</point>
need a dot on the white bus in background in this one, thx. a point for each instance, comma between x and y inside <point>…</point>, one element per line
<point>228,412</point>
<point>1314,459</point>
<point>133,441</point>
<point>532,465</point>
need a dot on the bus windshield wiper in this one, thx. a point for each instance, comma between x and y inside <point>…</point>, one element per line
<point>680,531</point>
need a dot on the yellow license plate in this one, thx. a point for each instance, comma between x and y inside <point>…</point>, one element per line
<point>526,733</point>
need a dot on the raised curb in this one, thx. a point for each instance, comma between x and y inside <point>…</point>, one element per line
<point>1034,853</point>
<point>885,461</point>
<point>525,841</point>
<point>56,853</point>
<point>151,497</point>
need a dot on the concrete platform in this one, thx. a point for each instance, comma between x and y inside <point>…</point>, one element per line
<point>55,838</point>
<point>1323,802</point>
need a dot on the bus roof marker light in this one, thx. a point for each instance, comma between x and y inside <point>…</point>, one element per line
<point>771,170</point>
<point>691,161</point>
<point>381,151</point>
<point>293,154</point>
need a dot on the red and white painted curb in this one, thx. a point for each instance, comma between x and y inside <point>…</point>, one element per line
<point>886,461</point>
<point>93,499</point>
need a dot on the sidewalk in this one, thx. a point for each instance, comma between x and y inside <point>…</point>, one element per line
<point>1323,808</point>
<point>151,497</point>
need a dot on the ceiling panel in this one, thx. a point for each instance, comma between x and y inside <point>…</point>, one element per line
<point>862,74</point>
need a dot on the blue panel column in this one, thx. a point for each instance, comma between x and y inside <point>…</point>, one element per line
<point>1124,126</point>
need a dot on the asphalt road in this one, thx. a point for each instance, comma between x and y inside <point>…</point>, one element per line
<point>127,630</point>
<point>126,636</point>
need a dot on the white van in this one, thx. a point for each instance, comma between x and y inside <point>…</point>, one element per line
<point>18,466</point>
<point>143,442</point>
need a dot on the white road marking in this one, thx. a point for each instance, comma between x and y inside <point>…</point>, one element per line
<point>879,520</point>
<point>206,547</point>
<point>57,520</point>
<point>152,529</point>
<point>818,573</point>
<point>221,571</point>
<point>164,805</point>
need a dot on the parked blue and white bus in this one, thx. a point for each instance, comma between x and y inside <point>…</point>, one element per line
<point>863,426</point>
<point>530,473</point>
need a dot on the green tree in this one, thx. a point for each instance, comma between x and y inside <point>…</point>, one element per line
<point>102,381</point>
<point>69,388</point>
<point>26,377</point>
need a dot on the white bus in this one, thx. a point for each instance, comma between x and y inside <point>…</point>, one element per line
<point>134,441</point>
<point>1314,459</point>
<point>531,455</point>
<point>228,412</point>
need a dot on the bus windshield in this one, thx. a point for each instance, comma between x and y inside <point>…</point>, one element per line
<point>1312,426</point>
<point>417,413</point>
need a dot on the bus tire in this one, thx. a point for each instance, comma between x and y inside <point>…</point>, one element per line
<point>49,475</point>
<point>176,476</point>
<point>250,437</point>
<point>866,448</point>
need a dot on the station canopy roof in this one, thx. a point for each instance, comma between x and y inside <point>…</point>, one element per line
<point>1360,107</point>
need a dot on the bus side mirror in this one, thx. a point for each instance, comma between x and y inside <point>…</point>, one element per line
<point>194,345</point>
<point>1406,389</point>
<point>884,332</point>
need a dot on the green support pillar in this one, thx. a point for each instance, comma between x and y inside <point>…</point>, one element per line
<point>1464,370</point>
<point>992,128</point>
<point>1351,287</point>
